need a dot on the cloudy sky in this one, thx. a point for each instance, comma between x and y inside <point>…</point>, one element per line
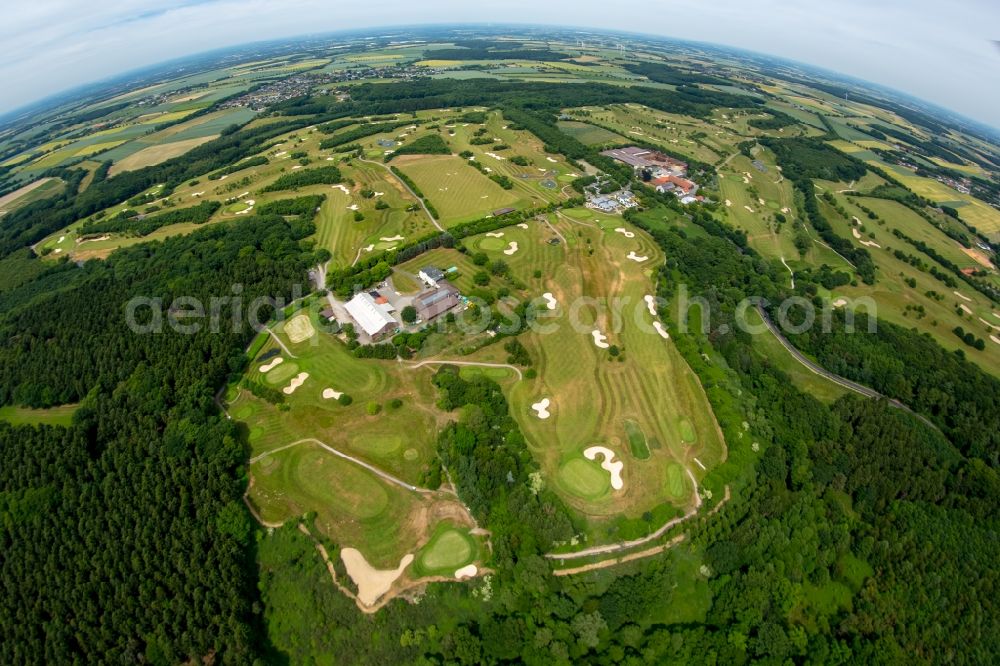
<point>942,52</point>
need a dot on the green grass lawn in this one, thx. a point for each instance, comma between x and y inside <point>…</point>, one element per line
<point>61,415</point>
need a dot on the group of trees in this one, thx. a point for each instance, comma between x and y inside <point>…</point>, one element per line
<point>324,175</point>
<point>143,225</point>
<point>141,497</point>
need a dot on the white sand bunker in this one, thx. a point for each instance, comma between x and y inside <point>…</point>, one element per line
<point>468,571</point>
<point>613,467</point>
<point>840,302</point>
<point>625,232</point>
<point>662,331</point>
<point>748,208</point>
<point>61,239</point>
<point>342,188</point>
<point>352,207</point>
<point>728,203</point>
<point>871,244</point>
<point>391,239</point>
<point>522,225</point>
<point>276,361</point>
<point>785,210</point>
<point>58,250</point>
<point>965,308</point>
<point>554,161</point>
<point>511,249</point>
<point>855,232</point>
<point>650,303</point>
<point>995,339</point>
<point>635,257</point>
<point>330,394</point>
<point>600,340</point>
<point>372,583</point>
<point>368,248</point>
<point>989,324</point>
<point>761,202</point>
<point>329,159</point>
<point>495,234</point>
<point>497,157</point>
<point>962,296</point>
<point>550,300</point>
<point>379,194</point>
<point>542,408</point>
<point>297,381</point>
<point>297,166</point>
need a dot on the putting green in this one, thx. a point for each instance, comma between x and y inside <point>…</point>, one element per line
<point>379,444</point>
<point>687,431</point>
<point>491,244</point>
<point>447,551</point>
<point>584,478</point>
<point>282,373</point>
<point>675,481</point>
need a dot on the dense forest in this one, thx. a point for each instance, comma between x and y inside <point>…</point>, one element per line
<point>124,538</point>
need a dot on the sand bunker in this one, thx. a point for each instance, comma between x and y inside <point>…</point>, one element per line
<point>965,308</point>
<point>468,571</point>
<point>635,257</point>
<point>542,408</point>
<point>57,250</point>
<point>197,194</point>
<point>600,339</point>
<point>497,157</point>
<point>761,202</point>
<point>613,468</point>
<point>522,225</point>
<point>329,159</point>
<point>550,300</point>
<point>379,194</point>
<point>276,361</point>
<point>372,583</point>
<point>554,161</point>
<point>840,302</point>
<point>299,328</point>
<point>962,296</point>
<point>989,324</point>
<point>871,244</point>
<point>785,210</point>
<point>748,208</point>
<point>625,232</point>
<point>342,188</point>
<point>330,394</point>
<point>61,239</point>
<point>511,249</point>
<point>856,233</point>
<point>495,234</point>
<point>995,339</point>
<point>650,303</point>
<point>297,381</point>
<point>297,166</point>
<point>369,248</point>
<point>352,207</point>
<point>391,239</point>
<point>662,331</point>
<point>728,203</point>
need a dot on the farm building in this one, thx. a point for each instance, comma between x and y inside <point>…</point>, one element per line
<point>374,319</point>
<point>503,211</point>
<point>640,158</point>
<point>434,302</point>
<point>430,275</point>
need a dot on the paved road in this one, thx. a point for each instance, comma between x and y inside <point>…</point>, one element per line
<point>408,189</point>
<point>836,379</point>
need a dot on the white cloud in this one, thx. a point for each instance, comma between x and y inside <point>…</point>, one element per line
<point>942,53</point>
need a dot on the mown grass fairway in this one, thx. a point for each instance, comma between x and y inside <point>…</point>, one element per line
<point>353,506</point>
<point>458,192</point>
<point>61,415</point>
<point>598,398</point>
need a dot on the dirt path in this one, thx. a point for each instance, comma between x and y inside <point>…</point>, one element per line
<point>508,366</point>
<point>789,270</point>
<point>408,189</point>
<point>614,561</point>
<point>371,468</point>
